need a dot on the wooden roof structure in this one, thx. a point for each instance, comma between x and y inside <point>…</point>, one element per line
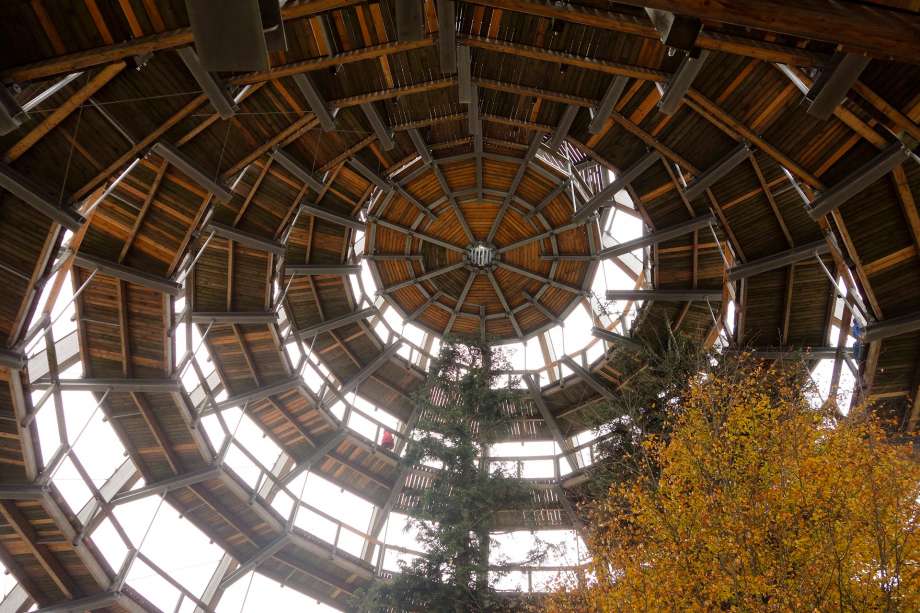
<point>767,148</point>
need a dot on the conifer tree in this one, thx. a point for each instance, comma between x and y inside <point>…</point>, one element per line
<point>465,407</point>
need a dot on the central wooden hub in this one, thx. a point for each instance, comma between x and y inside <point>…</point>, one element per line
<point>484,263</point>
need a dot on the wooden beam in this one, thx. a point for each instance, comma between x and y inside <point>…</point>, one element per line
<point>425,277</point>
<point>36,196</point>
<point>142,145</point>
<point>125,273</point>
<point>447,36</point>
<point>778,260</point>
<point>568,59</point>
<point>908,204</point>
<point>659,236</point>
<point>330,61</point>
<point>148,201</point>
<point>737,130</point>
<point>875,30</point>
<point>61,113</point>
<point>564,444</point>
<point>666,295</point>
<point>81,60</point>
<point>248,239</point>
<point>588,378</point>
<point>27,533</point>
<point>153,423</point>
<point>504,302</point>
<point>627,24</point>
<point>680,82</point>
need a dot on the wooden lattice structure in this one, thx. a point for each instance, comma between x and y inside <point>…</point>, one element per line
<point>766,147</point>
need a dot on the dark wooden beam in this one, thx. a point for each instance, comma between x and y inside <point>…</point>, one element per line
<point>81,60</point>
<point>45,557</point>
<point>628,24</point>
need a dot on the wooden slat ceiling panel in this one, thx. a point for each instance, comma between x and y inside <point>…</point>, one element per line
<point>690,136</point>
<point>808,317</point>
<point>877,232</point>
<point>765,301</point>
<point>897,367</point>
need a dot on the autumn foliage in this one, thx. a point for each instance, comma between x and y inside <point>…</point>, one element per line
<point>757,501</point>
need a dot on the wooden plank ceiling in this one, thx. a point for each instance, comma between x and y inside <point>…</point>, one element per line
<point>536,68</point>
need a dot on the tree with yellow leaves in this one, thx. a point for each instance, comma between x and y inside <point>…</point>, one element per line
<point>757,501</point>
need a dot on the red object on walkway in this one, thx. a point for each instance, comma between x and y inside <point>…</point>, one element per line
<point>387,442</point>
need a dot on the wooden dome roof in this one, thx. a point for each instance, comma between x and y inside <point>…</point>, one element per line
<point>247,217</point>
<point>519,216</point>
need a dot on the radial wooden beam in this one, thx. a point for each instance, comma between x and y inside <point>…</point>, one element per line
<point>316,101</point>
<point>370,368</point>
<point>264,553</point>
<point>294,167</point>
<point>778,260</point>
<point>336,322</point>
<point>230,317</point>
<point>541,278</point>
<point>213,87</point>
<point>421,278</point>
<point>410,20</point>
<point>679,83</point>
<point>549,315</point>
<point>424,306</point>
<point>676,31</point>
<point>461,299</point>
<point>537,397</point>
<point>369,174</point>
<point>601,112</point>
<point>323,269</point>
<point>539,237</point>
<point>666,295</point>
<point>464,75</point>
<point>659,236</point>
<point>719,170</point>
<point>602,197</point>
<point>378,125</point>
<point>248,239</point>
<point>589,378</point>
<point>559,189</point>
<point>316,454</point>
<point>42,554</point>
<point>158,488</point>
<point>617,339</point>
<point>738,130</point>
<point>36,197</point>
<point>126,273</point>
<point>563,127</point>
<point>505,306</point>
<point>415,234</point>
<point>178,159</point>
<point>420,145</point>
<point>886,328</point>
<point>262,392</point>
<point>830,89</point>
<point>864,176</point>
<point>447,36</point>
<point>97,82</point>
<point>531,153</point>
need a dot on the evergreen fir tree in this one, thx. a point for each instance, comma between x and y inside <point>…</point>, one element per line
<point>465,406</point>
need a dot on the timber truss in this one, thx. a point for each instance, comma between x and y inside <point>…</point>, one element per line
<point>241,219</point>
